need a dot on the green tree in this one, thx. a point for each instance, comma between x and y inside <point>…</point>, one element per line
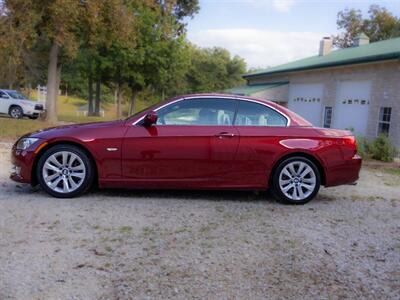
<point>159,39</point>
<point>62,27</point>
<point>379,25</point>
<point>108,23</point>
<point>18,65</point>
<point>137,48</point>
<point>213,70</point>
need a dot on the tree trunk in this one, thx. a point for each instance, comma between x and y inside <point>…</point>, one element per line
<point>30,90</point>
<point>58,80</point>
<point>90,91</point>
<point>132,104</point>
<point>119,101</point>
<point>162,95</point>
<point>97,104</point>
<point>52,84</point>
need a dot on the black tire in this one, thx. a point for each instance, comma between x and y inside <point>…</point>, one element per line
<point>87,181</point>
<point>16,112</point>
<point>277,190</point>
<point>33,117</point>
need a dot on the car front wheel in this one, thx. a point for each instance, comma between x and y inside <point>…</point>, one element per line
<point>65,171</point>
<point>296,180</point>
<point>16,112</point>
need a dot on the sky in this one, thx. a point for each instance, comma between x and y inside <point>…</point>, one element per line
<point>271,32</point>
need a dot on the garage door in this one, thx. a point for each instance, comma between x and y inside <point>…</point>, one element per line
<point>305,99</point>
<point>352,105</point>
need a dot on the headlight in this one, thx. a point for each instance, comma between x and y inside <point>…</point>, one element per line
<point>25,143</point>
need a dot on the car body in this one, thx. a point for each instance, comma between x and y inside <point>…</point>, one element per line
<point>16,105</point>
<point>203,141</point>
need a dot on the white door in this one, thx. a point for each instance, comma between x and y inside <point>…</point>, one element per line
<point>352,105</point>
<point>305,100</point>
<point>4,102</point>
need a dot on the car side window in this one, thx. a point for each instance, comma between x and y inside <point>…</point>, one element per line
<point>201,111</point>
<point>255,114</point>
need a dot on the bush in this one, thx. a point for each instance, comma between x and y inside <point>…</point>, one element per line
<point>382,149</point>
<point>362,147</point>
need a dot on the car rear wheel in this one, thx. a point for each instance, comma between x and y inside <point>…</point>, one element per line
<point>65,171</point>
<point>296,180</point>
<point>16,112</point>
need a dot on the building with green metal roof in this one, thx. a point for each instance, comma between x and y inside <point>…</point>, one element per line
<point>378,51</point>
<point>355,88</point>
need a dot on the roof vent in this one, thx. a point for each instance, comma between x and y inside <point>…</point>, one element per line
<point>325,46</point>
<point>360,40</point>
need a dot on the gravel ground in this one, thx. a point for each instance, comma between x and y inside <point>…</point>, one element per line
<point>189,244</point>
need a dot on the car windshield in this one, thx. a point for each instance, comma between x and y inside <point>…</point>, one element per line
<point>16,95</point>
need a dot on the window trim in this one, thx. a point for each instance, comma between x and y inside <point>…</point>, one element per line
<point>383,122</point>
<point>219,97</point>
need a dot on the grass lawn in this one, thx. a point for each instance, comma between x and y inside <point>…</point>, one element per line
<point>11,129</point>
<point>392,168</point>
<point>392,171</point>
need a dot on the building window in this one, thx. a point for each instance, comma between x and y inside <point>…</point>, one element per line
<point>327,117</point>
<point>384,120</point>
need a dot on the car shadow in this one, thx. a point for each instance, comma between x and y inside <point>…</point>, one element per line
<point>205,195</point>
<point>211,195</point>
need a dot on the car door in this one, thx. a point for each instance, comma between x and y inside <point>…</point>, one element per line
<point>4,102</point>
<point>260,128</point>
<point>193,144</point>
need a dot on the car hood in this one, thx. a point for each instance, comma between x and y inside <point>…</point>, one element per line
<point>26,102</point>
<point>72,129</point>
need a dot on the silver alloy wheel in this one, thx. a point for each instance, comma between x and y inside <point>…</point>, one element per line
<point>297,180</point>
<point>64,172</point>
<point>15,112</point>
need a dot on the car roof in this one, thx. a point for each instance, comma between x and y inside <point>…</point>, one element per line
<point>4,90</point>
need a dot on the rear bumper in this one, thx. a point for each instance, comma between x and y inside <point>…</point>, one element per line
<point>346,173</point>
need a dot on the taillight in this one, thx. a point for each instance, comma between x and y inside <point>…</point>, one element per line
<point>351,142</point>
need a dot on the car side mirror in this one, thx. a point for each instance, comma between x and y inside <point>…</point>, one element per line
<point>150,119</point>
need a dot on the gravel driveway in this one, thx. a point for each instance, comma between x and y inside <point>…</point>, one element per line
<point>188,244</point>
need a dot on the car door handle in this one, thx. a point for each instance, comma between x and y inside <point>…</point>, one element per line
<point>225,135</point>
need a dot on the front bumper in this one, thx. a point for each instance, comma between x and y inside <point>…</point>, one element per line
<point>33,113</point>
<point>22,161</point>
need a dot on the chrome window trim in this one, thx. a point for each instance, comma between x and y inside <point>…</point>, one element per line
<point>222,97</point>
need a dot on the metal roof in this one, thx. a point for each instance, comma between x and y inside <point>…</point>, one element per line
<point>248,90</point>
<point>383,50</point>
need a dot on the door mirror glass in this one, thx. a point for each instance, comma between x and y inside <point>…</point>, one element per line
<point>150,119</point>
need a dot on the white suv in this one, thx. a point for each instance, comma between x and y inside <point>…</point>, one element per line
<point>17,105</point>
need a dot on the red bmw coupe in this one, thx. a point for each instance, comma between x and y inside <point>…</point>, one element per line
<point>205,141</point>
